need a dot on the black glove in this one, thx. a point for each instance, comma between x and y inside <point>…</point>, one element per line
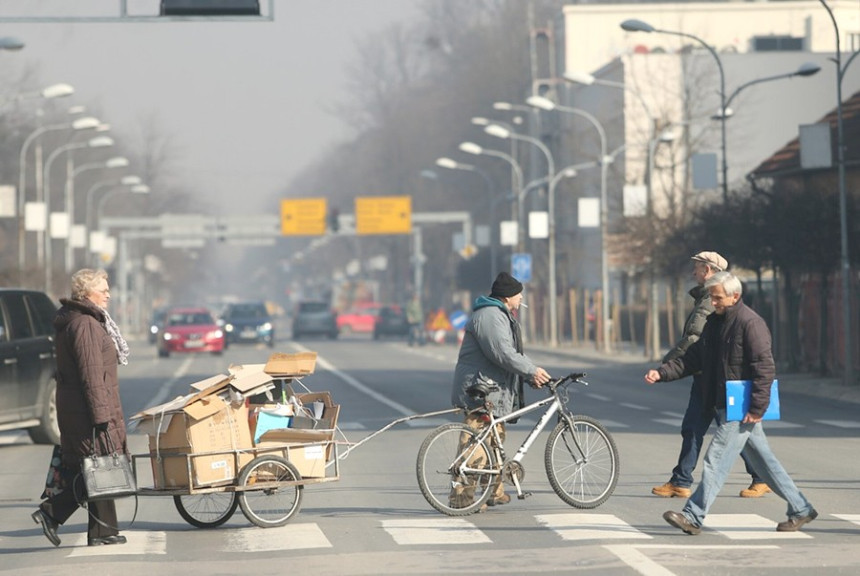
<point>101,427</point>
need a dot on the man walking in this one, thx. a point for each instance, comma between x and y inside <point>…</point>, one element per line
<point>697,418</point>
<point>735,345</point>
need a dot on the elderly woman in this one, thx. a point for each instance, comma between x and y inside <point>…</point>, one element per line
<point>88,346</point>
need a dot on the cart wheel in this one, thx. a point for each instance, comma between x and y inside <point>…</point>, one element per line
<point>206,510</point>
<point>273,503</point>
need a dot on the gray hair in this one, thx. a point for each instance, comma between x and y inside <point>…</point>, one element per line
<point>730,283</point>
<point>84,281</point>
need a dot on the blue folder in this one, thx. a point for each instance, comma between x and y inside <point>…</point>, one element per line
<point>738,400</point>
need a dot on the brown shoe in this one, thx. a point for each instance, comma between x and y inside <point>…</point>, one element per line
<point>678,520</point>
<point>499,500</point>
<point>794,524</point>
<point>756,490</point>
<point>669,490</point>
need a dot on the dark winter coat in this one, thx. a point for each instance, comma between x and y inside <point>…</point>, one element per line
<point>733,346</point>
<point>695,322</point>
<point>492,347</point>
<point>87,381</point>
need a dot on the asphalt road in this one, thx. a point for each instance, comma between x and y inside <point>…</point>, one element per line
<point>374,520</point>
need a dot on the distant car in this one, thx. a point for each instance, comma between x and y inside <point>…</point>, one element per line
<point>314,317</point>
<point>391,321</point>
<point>190,330</point>
<point>156,323</point>
<point>360,318</point>
<point>247,322</point>
<point>27,364</point>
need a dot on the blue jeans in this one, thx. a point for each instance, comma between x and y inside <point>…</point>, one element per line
<point>731,439</point>
<point>693,428</point>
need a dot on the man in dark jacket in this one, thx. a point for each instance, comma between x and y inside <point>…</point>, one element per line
<point>89,347</point>
<point>735,345</point>
<point>697,418</point>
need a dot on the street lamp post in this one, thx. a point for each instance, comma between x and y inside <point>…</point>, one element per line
<point>491,193</point>
<point>79,124</point>
<point>116,162</point>
<point>472,148</point>
<point>10,43</point>
<point>640,26</point>
<point>97,142</point>
<point>547,104</point>
<point>502,132</point>
<point>845,262</point>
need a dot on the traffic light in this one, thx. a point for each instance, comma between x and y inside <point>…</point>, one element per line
<point>334,220</point>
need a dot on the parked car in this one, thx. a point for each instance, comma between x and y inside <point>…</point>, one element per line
<point>190,330</point>
<point>360,318</point>
<point>314,317</point>
<point>156,323</point>
<point>391,321</point>
<point>28,388</point>
<point>247,322</point>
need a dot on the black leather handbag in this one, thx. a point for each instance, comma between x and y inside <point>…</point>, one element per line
<point>107,476</point>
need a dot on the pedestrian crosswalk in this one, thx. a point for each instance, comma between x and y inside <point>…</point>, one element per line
<point>444,531</point>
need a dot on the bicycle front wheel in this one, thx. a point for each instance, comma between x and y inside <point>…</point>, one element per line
<point>582,464</point>
<point>456,470</point>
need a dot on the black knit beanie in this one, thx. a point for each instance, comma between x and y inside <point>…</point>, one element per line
<point>505,286</point>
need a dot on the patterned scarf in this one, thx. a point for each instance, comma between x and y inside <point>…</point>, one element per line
<point>118,340</point>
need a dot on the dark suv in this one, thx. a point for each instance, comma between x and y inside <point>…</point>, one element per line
<point>28,390</point>
<point>247,322</point>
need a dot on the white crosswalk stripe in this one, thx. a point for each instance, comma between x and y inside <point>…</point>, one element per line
<point>853,518</point>
<point>590,527</point>
<point>747,527</point>
<point>440,531</point>
<point>289,537</point>
<point>139,543</point>
<point>840,423</point>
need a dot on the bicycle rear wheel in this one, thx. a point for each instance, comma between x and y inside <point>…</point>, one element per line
<point>582,464</point>
<point>444,484</point>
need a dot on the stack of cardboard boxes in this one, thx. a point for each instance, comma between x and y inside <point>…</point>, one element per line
<point>206,437</point>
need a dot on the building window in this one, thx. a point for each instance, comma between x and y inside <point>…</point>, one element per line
<point>777,44</point>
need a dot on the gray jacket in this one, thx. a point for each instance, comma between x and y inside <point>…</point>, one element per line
<point>492,347</point>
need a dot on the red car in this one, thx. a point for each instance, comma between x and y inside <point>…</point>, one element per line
<point>360,318</point>
<point>190,330</point>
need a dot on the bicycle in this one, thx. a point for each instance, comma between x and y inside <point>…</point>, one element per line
<point>581,458</point>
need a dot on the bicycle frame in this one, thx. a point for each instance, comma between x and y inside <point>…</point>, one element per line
<point>554,405</point>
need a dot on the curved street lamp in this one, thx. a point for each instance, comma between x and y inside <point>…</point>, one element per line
<point>115,162</point>
<point>805,69</point>
<point>10,43</point>
<point>547,104</point>
<point>451,164</point>
<point>83,123</point>
<point>97,142</point>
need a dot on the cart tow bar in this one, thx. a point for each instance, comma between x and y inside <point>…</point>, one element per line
<point>394,423</point>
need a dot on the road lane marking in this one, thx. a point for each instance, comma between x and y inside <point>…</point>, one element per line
<point>747,527</point>
<point>442,531</point>
<point>673,423</point>
<point>635,406</point>
<point>139,543</point>
<point>289,537</point>
<point>590,527</point>
<point>840,423</point>
<point>631,555</point>
<point>853,518</point>
<point>161,396</point>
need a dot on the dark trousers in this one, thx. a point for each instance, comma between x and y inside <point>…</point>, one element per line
<point>102,514</point>
<point>696,422</point>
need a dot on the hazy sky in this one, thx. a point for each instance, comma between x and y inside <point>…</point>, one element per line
<point>246,104</point>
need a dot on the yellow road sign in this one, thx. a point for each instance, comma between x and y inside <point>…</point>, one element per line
<point>303,217</point>
<point>383,215</point>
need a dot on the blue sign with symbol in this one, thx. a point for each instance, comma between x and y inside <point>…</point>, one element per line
<point>458,319</point>
<point>521,267</point>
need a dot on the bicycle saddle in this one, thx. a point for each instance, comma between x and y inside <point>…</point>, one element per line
<point>481,388</point>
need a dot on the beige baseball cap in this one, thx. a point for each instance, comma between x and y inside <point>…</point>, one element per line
<point>712,259</point>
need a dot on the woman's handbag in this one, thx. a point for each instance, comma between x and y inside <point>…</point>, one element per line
<point>107,476</point>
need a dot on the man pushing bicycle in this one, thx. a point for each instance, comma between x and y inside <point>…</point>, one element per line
<point>492,351</point>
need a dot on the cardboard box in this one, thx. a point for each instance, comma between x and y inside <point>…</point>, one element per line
<point>206,426</point>
<point>299,364</point>
<point>307,450</point>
